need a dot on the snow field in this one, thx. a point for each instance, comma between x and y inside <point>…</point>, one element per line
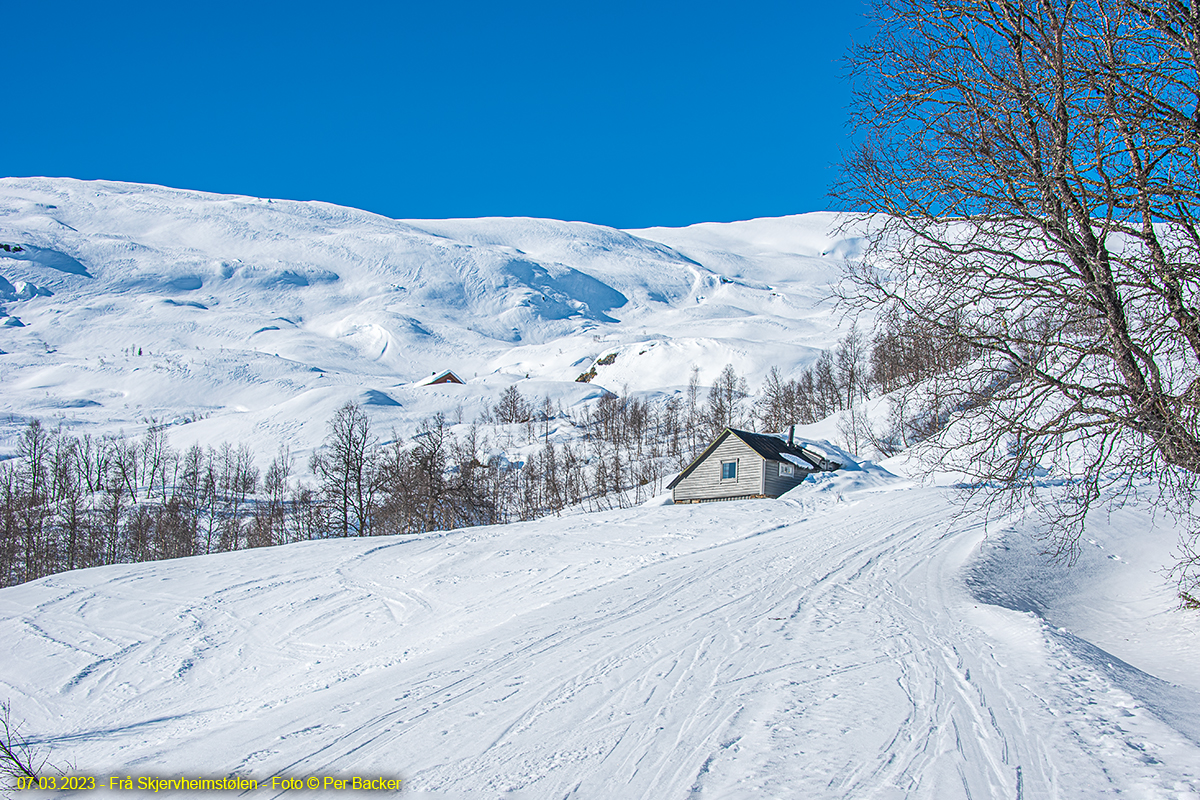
<point>812,647</point>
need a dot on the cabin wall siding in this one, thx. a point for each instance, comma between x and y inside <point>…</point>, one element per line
<point>777,484</point>
<point>705,482</point>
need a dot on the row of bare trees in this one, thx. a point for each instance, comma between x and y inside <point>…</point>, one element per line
<point>69,501</point>
<point>839,378</point>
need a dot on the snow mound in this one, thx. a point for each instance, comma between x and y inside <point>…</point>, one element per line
<point>852,477</point>
<point>21,290</point>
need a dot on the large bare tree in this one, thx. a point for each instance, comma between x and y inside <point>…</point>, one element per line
<point>1035,166</point>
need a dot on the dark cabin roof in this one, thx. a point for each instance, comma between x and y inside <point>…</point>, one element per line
<point>770,447</point>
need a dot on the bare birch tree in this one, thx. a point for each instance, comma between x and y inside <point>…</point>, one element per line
<point>1036,165</point>
<point>345,465</point>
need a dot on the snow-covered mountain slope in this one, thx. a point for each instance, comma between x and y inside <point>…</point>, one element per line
<point>858,638</point>
<point>833,644</point>
<point>275,309</point>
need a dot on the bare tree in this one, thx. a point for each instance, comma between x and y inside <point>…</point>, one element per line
<point>269,524</point>
<point>19,757</point>
<point>345,465</point>
<point>126,462</point>
<point>34,453</point>
<point>774,405</point>
<point>691,420</point>
<point>725,402</point>
<point>851,367</point>
<point>1037,165</point>
<point>10,527</point>
<point>827,395</point>
<point>428,479</point>
<point>513,407</point>
<point>670,428</point>
<point>236,479</point>
<point>157,459</point>
<point>70,507</point>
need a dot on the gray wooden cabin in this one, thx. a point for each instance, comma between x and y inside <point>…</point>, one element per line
<point>740,464</point>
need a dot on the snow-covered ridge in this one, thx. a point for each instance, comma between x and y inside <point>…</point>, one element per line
<point>247,305</point>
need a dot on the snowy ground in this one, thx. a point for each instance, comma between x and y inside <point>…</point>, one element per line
<point>835,643</point>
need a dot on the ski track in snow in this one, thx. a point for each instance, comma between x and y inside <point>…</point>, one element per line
<point>803,648</point>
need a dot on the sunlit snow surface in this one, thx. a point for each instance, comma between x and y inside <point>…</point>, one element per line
<point>824,645</point>
<point>858,638</point>
<point>264,316</point>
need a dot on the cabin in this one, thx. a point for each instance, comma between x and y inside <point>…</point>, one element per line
<point>740,465</point>
<point>438,379</point>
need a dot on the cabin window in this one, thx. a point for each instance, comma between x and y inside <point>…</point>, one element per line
<point>786,470</point>
<point>729,470</point>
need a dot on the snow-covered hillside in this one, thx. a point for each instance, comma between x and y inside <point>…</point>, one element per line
<point>861,637</point>
<point>265,316</point>
<point>832,644</point>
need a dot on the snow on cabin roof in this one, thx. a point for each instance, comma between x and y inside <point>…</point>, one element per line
<point>447,376</point>
<point>774,447</point>
<point>797,460</point>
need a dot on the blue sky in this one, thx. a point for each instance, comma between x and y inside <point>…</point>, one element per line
<point>619,113</point>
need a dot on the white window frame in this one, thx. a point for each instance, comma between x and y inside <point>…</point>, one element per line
<point>734,462</point>
<point>787,470</point>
